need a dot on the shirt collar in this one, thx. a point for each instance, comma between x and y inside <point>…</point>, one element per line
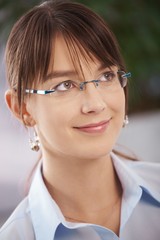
<point>47,216</point>
<point>147,176</point>
<point>135,177</point>
<point>45,219</point>
<point>131,189</point>
<point>141,173</point>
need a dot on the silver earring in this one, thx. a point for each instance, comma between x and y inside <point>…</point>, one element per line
<point>125,121</point>
<point>34,142</point>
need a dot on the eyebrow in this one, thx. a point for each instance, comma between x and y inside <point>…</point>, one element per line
<point>69,73</point>
<point>58,74</point>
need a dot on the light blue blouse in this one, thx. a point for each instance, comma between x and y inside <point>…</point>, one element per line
<point>38,216</point>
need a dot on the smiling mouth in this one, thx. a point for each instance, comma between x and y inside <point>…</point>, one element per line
<point>95,127</point>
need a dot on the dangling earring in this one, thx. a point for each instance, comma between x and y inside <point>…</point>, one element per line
<point>34,142</point>
<point>125,121</point>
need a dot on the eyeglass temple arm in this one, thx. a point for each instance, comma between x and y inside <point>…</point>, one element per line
<point>41,92</point>
<point>126,75</point>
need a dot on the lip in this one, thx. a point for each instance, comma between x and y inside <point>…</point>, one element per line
<point>99,127</point>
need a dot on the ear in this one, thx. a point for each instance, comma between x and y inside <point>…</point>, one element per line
<point>12,103</point>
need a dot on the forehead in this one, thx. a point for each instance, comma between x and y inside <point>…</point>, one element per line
<point>71,58</point>
<point>61,58</point>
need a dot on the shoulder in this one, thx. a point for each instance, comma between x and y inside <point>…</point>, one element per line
<point>19,224</point>
<point>146,170</point>
<point>147,175</point>
<point>139,173</point>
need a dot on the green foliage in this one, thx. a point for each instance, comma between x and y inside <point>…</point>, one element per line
<point>136,24</point>
<point>10,11</point>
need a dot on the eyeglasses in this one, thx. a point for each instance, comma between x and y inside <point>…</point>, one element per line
<point>109,82</point>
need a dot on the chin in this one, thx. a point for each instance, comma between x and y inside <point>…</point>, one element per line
<point>95,152</point>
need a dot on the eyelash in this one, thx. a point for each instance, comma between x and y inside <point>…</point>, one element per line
<point>109,74</point>
<point>105,75</point>
<point>60,84</point>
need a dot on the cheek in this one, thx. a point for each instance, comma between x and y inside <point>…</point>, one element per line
<point>117,106</point>
<point>53,120</point>
<point>117,103</point>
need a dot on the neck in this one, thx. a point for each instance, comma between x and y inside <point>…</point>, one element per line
<point>74,185</point>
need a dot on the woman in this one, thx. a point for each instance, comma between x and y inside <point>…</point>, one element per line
<point>68,82</point>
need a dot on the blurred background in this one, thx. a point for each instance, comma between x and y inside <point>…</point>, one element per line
<point>136,24</point>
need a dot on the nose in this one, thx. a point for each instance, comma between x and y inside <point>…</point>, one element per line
<point>93,101</point>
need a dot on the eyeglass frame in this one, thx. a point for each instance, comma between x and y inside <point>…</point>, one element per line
<point>81,85</point>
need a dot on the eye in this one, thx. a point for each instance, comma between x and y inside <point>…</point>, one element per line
<point>64,86</point>
<point>108,76</point>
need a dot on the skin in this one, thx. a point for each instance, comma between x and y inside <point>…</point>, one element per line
<point>77,167</point>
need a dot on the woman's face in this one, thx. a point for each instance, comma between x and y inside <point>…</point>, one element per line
<point>85,125</point>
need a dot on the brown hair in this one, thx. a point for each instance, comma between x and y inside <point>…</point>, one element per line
<point>29,46</point>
